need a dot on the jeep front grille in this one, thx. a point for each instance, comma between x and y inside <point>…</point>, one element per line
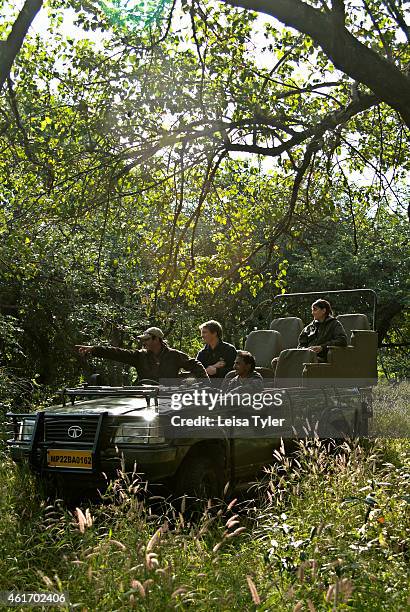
<point>80,429</point>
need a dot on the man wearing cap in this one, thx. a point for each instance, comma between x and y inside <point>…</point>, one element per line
<point>155,361</point>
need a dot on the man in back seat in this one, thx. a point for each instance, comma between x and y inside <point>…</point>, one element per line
<point>246,379</point>
<point>323,331</point>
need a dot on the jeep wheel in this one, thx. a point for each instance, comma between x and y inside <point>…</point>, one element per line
<point>364,425</point>
<point>199,477</point>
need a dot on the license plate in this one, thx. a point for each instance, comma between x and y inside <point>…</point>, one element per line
<point>78,459</point>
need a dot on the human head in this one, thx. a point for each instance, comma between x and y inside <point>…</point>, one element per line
<point>211,331</point>
<point>152,339</point>
<point>244,363</point>
<point>321,309</point>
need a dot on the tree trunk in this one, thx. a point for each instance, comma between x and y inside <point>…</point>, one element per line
<point>385,315</point>
<point>9,48</point>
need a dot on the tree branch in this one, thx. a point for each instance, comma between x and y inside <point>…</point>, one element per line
<point>9,48</point>
<point>376,25</point>
<point>345,51</point>
<point>397,16</point>
<point>330,122</point>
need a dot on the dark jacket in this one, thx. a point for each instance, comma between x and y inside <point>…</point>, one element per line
<point>208,356</point>
<point>329,332</point>
<point>165,365</point>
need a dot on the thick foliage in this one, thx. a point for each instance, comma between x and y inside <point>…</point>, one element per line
<point>130,194</point>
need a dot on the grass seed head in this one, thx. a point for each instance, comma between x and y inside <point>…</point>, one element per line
<point>231,520</point>
<point>330,593</point>
<point>253,591</point>
<point>80,519</point>
<point>231,504</point>
<point>47,581</point>
<point>156,537</point>
<point>151,561</point>
<point>136,584</point>
<point>88,518</point>
<point>236,532</point>
<point>148,583</point>
<point>179,591</point>
<point>118,544</point>
<point>217,547</point>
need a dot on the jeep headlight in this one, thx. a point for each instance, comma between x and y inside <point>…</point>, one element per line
<point>142,429</point>
<point>26,430</point>
<point>22,429</point>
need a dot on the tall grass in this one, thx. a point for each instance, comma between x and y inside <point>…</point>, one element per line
<point>392,410</point>
<point>324,529</point>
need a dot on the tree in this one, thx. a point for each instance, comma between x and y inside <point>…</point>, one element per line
<point>10,47</point>
<point>147,181</point>
<point>379,260</point>
<point>386,75</point>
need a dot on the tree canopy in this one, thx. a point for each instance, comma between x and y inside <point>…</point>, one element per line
<point>191,168</point>
<point>367,41</point>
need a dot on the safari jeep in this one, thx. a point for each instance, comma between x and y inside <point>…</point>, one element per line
<point>194,438</point>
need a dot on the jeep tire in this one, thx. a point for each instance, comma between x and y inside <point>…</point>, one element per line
<point>200,477</point>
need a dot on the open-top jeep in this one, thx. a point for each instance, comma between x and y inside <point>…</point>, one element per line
<point>199,445</point>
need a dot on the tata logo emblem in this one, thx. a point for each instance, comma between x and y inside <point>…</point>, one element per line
<point>75,431</point>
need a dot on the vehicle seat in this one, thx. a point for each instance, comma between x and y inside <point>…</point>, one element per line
<point>290,366</point>
<point>264,344</point>
<point>353,321</point>
<point>289,328</point>
<point>354,365</point>
<point>266,373</point>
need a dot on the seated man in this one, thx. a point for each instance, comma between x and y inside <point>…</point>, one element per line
<point>155,361</point>
<point>323,331</point>
<point>217,356</point>
<point>246,378</point>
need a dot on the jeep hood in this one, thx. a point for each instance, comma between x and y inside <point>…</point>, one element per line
<point>116,406</point>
